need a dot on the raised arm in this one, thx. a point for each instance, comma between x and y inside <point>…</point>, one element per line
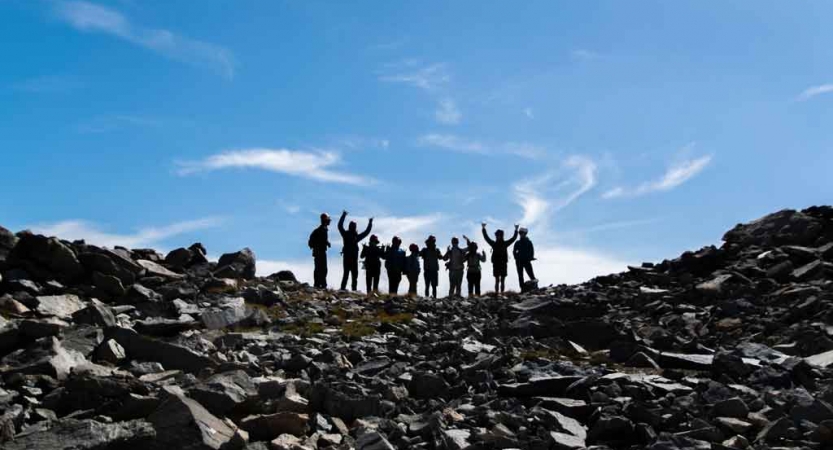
<point>366,231</point>
<point>486,236</point>
<point>341,222</point>
<point>514,236</point>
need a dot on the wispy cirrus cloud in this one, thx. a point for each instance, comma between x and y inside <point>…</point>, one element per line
<point>447,112</point>
<point>674,176</point>
<point>414,73</point>
<point>461,144</point>
<point>317,166</point>
<point>584,54</point>
<point>93,18</point>
<point>815,91</point>
<point>549,193</point>
<point>144,237</point>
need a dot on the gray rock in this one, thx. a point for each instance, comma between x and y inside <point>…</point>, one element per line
<point>373,441</point>
<point>47,357</point>
<point>182,423</point>
<point>223,393</point>
<point>46,257</point>
<point>171,356</point>
<point>237,265</point>
<point>62,306</point>
<point>157,270</point>
<point>427,385</point>
<point>269,426</point>
<point>110,351</point>
<point>71,434</point>
<point>732,407</point>
<point>95,314</point>
<point>229,312</point>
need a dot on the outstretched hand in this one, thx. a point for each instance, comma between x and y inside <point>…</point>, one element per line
<point>517,226</point>
<point>483,224</point>
<point>371,220</point>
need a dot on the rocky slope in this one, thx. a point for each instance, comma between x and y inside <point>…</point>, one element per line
<point>117,349</point>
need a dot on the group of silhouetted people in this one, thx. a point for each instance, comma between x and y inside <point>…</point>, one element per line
<point>458,261</point>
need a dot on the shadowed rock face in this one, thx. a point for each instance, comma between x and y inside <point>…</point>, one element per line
<point>723,347</point>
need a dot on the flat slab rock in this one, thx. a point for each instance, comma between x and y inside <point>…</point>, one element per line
<point>71,434</point>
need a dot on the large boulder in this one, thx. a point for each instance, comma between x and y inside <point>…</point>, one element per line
<point>115,263</point>
<point>171,356</point>
<point>225,392</point>
<point>71,434</point>
<point>237,265</point>
<point>182,423</point>
<point>7,243</point>
<point>46,357</point>
<point>786,227</point>
<point>45,257</point>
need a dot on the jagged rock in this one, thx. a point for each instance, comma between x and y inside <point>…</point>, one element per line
<point>111,263</point>
<point>171,356</point>
<point>7,242</point>
<point>110,351</point>
<point>269,426</point>
<point>181,422</point>
<point>46,357</point>
<point>223,393</point>
<point>611,429</point>
<point>373,441</point>
<point>157,270</point>
<point>237,265</point>
<point>732,407</point>
<point>45,257</point>
<point>229,312</point>
<point>95,314</point>
<point>62,306</point>
<point>427,385</point>
<point>38,328</point>
<point>71,434</point>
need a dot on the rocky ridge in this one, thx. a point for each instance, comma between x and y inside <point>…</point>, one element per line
<point>727,347</point>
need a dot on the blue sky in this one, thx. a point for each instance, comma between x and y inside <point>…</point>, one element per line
<point>616,131</point>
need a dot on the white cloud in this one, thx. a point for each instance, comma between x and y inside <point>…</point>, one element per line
<point>411,72</point>
<point>453,143</point>
<point>675,176</point>
<point>90,17</point>
<point>814,91</point>
<point>540,197</point>
<point>312,165</point>
<point>144,237</point>
<point>529,113</point>
<point>448,113</point>
<point>464,145</point>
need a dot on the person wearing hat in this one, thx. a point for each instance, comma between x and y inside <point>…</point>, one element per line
<point>500,256</point>
<point>455,257</point>
<point>412,269</point>
<point>350,251</point>
<point>473,273</point>
<point>372,254</point>
<point>524,254</point>
<point>431,256</point>
<point>319,242</point>
<point>395,261</point>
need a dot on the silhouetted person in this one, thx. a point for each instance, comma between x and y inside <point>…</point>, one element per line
<point>431,256</point>
<point>524,254</point>
<point>473,272</point>
<point>455,257</point>
<point>412,269</point>
<point>350,251</point>
<point>500,256</point>
<point>372,255</point>
<point>319,243</point>
<point>395,260</point>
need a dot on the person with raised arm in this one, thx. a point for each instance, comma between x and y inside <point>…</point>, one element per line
<point>473,272</point>
<point>524,254</point>
<point>350,250</point>
<point>500,256</point>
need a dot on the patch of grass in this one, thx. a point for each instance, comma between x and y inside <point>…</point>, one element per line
<point>384,317</point>
<point>303,329</point>
<point>274,312</point>
<point>357,329</point>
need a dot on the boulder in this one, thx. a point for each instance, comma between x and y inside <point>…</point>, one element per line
<point>266,427</point>
<point>72,434</point>
<point>157,270</point>
<point>62,306</point>
<point>182,423</point>
<point>46,357</point>
<point>237,265</point>
<point>171,356</point>
<point>7,243</point>
<point>45,258</point>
